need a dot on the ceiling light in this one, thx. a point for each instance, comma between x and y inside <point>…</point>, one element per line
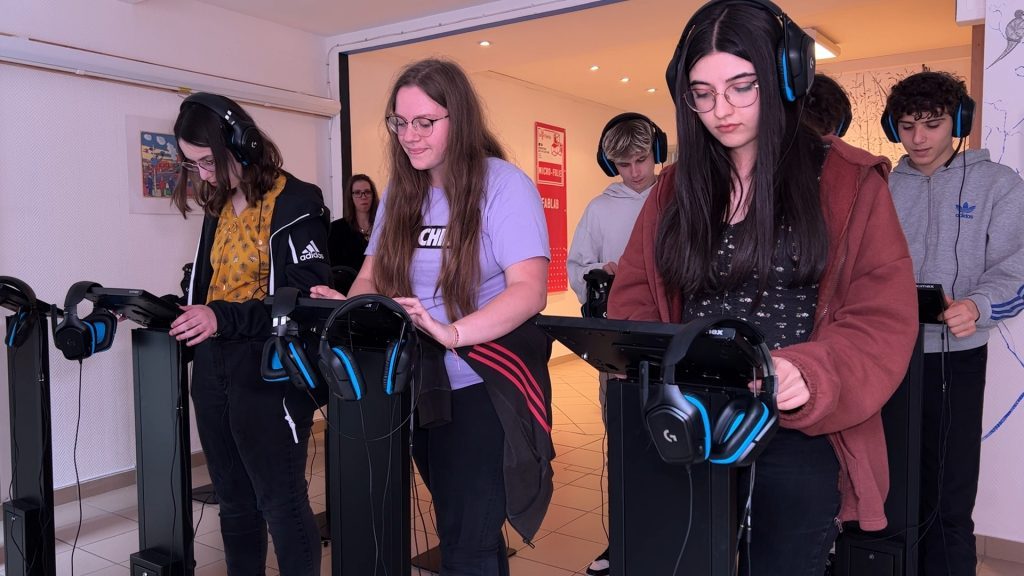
<point>652,90</point>
<point>624,79</point>
<point>595,68</point>
<point>485,43</point>
<point>824,47</point>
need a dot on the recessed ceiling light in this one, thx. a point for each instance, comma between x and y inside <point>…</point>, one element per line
<point>595,68</point>
<point>624,79</point>
<point>485,43</point>
<point>652,90</point>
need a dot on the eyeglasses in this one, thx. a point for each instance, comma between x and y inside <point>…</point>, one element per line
<point>207,164</point>
<point>739,95</point>
<point>362,193</point>
<point>421,125</point>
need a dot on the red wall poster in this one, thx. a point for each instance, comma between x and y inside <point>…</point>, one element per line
<point>550,178</point>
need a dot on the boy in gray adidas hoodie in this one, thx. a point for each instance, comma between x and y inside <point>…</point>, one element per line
<point>961,214</point>
<point>629,146</point>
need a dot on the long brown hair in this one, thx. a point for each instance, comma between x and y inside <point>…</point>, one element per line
<point>469,145</point>
<point>784,184</point>
<point>200,126</point>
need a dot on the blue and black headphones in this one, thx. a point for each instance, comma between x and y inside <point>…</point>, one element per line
<point>80,338</point>
<point>20,325</point>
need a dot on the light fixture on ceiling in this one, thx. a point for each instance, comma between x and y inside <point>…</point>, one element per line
<point>652,90</point>
<point>824,47</point>
<point>485,43</point>
<point>624,79</point>
<point>595,68</point>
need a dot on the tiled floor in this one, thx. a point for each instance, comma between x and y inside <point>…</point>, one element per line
<point>572,533</point>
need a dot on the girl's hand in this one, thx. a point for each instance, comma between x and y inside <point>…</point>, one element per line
<point>443,333</point>
<point>325,292</point>
<point>196,324</point>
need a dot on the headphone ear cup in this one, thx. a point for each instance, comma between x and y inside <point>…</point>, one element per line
<point>103,325</point>
<point>296,364</point>
<point>678,425</point>
<point>889,127</point>
<point>339,368</point>
<point>739,431</point>
<point>607,166</point>
<point>660,145</point>
<point>248,142</point>
<point>271,363</point>
<point>18,328</point>
<point>73,338</point>
<point>398,366</point>
<point>964,118</point>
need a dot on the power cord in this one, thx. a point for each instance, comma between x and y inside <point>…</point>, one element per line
<point>689,521</point>
<point>74,460</point>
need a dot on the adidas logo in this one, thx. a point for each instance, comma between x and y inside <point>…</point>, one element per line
<point>965,211</point>
<point>311,252</point>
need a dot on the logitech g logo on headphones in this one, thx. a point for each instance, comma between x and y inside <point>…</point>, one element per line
<point>966,211</point>
<point>670,437</point>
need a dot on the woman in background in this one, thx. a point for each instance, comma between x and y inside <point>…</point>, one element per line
<point>350,234</point>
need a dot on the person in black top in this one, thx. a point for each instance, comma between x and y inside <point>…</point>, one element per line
<point>263,229</point>
<point>350,233</point>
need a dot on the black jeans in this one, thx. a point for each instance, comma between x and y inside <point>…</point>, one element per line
<point>461,464</point>
<point>794,508</point>
<point>950,460</point>
<point>257,468</point>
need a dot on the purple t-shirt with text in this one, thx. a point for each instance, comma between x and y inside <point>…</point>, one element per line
<point>513,230</point>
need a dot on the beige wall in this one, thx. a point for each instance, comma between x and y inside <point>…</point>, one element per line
<point>511,107</point>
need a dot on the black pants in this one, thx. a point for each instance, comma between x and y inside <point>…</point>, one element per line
<point>954,397</point>
<point>257,468</point>
<point>794,508</point>
<point>461,464</point>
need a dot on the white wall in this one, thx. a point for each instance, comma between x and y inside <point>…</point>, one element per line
<point>511,108</point>
<point>64,213</point>
<point>1000,498</point>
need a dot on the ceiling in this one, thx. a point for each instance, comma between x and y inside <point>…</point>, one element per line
<point>633,38</point>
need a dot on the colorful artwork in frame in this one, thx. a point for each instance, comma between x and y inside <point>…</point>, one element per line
<point>153,166</point>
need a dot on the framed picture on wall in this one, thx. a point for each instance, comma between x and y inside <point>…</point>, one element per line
<point>153,167</point>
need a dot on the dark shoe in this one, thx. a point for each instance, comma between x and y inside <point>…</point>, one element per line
<point>600,566</point>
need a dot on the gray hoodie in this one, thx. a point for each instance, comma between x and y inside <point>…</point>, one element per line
<point>987,215</point>
<point>602,233</point>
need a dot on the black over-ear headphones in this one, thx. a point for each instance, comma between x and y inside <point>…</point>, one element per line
<point>659,142</point>
<point>338,363</point>
<point>241,135</point>
<point>682,427</point>
<point>963,120</point>
<point>284,354</point>
<point>844,124</point>
<point>80,338</point>
<point>794,53</point>
<point>19,327</point>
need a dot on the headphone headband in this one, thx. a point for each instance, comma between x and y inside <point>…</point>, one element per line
<point>361,300</point>
<point>679,346</point>
<point>795,83</point>
<point>240,134</point>
<point>20,287</point>
<point>76,294</point>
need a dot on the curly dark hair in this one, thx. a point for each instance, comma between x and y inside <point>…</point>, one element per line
<point>827,107</point>
<point>926,94</point>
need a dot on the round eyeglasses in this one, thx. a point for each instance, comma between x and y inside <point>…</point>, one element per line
<point>362,193</point>
<point>207,164</point>
<point>740,95</point>
<point>421,125</point>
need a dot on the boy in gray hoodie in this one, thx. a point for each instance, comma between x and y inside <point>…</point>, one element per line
<point>961,214</point>
<point>629,146</point>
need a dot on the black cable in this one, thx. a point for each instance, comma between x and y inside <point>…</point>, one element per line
<point>74,460</point>
<point>369,469</point>
<point>689,521</point>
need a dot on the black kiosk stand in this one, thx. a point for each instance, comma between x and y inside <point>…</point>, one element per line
<point>28,516</point>
<point>367,446</point>
<point>664,519</point>
<point>162,439</point>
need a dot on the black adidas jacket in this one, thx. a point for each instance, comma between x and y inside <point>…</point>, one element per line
<point>298,238</point>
